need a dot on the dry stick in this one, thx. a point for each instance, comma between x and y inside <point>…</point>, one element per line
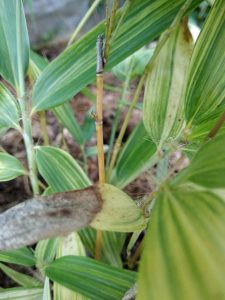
<point>217,127</point>
<point>42,117</point>
<point>99,127</point>
<point>148,68</point>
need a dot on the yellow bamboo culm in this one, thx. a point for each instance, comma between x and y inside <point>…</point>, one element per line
<point>99,128</point>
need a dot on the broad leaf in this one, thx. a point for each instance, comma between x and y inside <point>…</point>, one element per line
<point>14,47</point>
<point>138,154</point>
<point>22,256</point>
<point>163,101</point>
<point>91,278</point>
<point>206,76</point>
<point>10,167</point>
<point>184,248</point>
<point>64,112</point>
<point>21,293</point>
<point>60,170</point>
<point>75,67</point>
<point>9,117</point>
<point>45,251</point>
<point>208,166</point>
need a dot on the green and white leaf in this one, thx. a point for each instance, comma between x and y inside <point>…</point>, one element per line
<point>91,278</point>
<point>60,170</point>
<point>163,101</point>
<point>9,117</point>
<point>21,279</point>
<point>22,256</point>
<point>135,64</point>
<point>46,290</point>
<point>10,167</point>
<point>69,245</point>
<point>14,47</point>
<point>206,75</point>
<point>138,154</point>
<point>207,168</point>
<point>111,245</point>
<point>63,112</point>
<point>119,212</point>
<point>21,293</point>
<point>75,67</point>
<point>45,251</point>
<point>184,247</point>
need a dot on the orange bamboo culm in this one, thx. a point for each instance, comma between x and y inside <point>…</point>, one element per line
<point>99,128</point>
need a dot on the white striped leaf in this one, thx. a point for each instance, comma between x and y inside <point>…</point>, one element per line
<point>14,46</point>
<point>10,167</point>
<point>60,170</point>
<point>20,278</point>
<point>163,101</point>
<point>184,247</point>
<point>9,117</point>
<point>137,155</point>
<point>75,67</point>
<point>91,278</point>
<point>206,76</point>
<point>21,293</point>
<point>69,245</point>
<point>22,256</point>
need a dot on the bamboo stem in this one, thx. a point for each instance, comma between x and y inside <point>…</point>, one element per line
<point>213,132</point>
<point>99,127</point>
<point>28,141</point>
<point>83,21</point>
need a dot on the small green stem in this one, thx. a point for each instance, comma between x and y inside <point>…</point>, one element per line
<point>125,124</point>
<point>28,141</point>
<point>83,21</point>
<point>117,115</point>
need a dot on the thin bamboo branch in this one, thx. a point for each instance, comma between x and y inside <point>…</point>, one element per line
<point>213,132</point>
<point>99,127</point>
<point>83,21</point>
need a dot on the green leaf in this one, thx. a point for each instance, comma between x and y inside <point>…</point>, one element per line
<point>206,76</point>
<point>22,256</point>
<point>47,290</point>
<point>111,245</point>
<point>119,212</point>
<point>9,117</point>
<point>70,245</point>
<point>91,278</point>
<point>45,251</point>
<point>60,170</point>
<point>21,279</point>
<point>65,115</point>
<point>14,47</point>
<point>21,293</point>
<point>10,167</point>
<point>75,67</point>
<point>207,167</point>
<point>137,155</point>
<point>64,112</point>
<point>184,247</point>
<point>163,101</point>
<point>136,62</point>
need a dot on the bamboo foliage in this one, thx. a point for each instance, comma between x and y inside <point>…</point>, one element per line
<point>163,101</point>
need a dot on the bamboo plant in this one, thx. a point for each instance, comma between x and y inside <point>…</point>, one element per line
<point>70,235</point>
